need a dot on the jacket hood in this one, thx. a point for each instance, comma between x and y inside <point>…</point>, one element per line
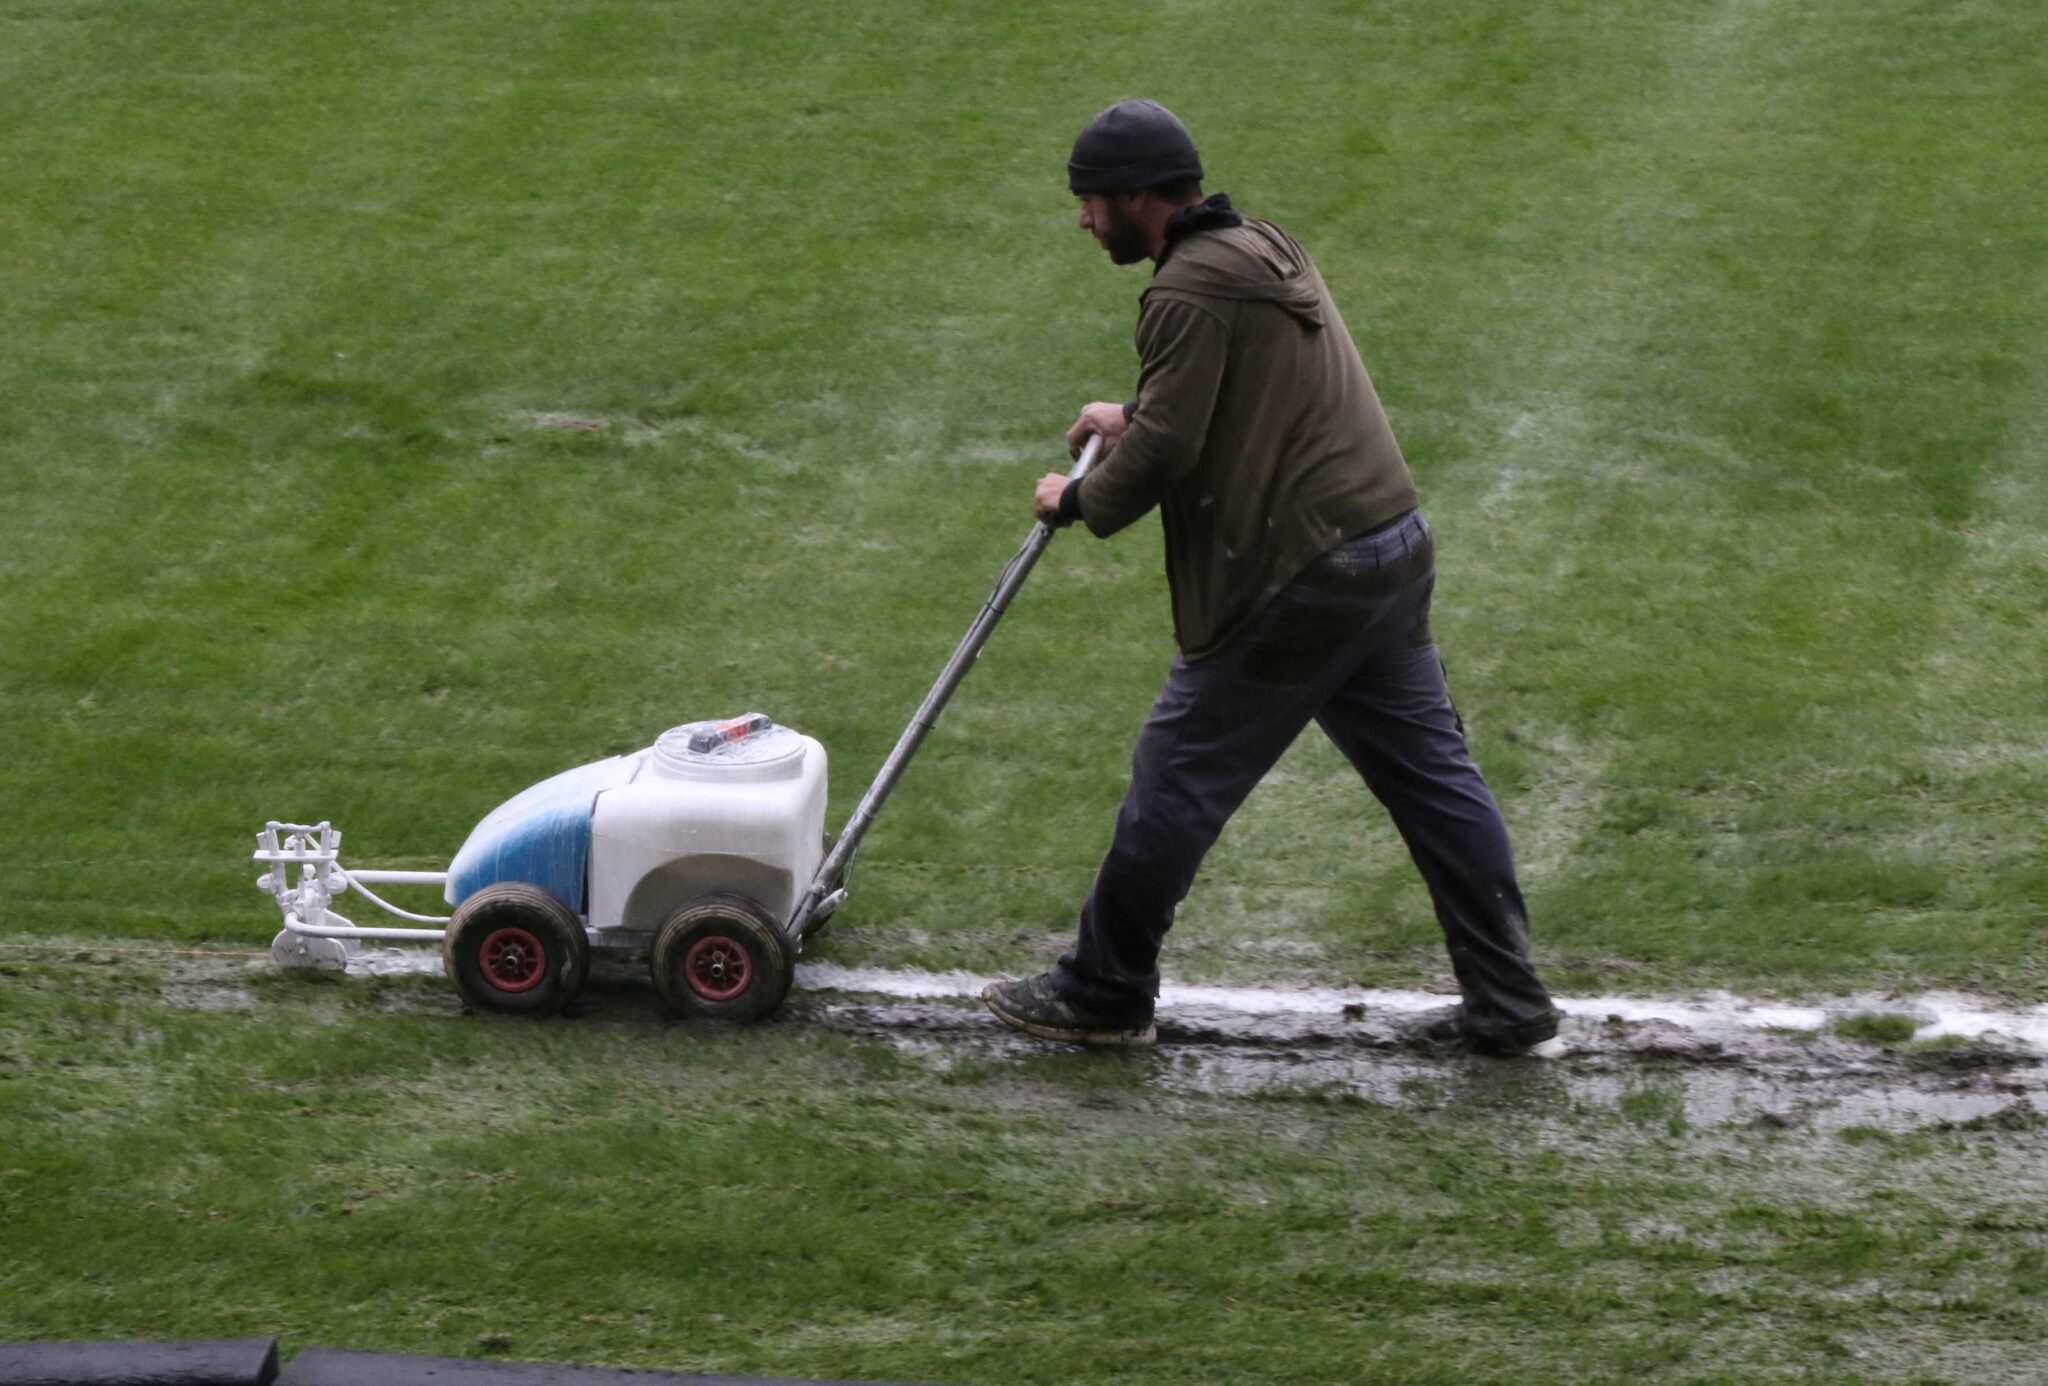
<point>1254,261</point>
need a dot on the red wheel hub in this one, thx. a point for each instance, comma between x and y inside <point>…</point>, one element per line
<point>717,967</point>
<point>513,959</point>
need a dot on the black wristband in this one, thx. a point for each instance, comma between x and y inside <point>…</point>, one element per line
<point>1130,410</point>
<point>1070,503</point>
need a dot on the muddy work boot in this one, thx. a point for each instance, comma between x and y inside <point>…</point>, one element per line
<point>1031,1005</point>
<point>1449,1032</point>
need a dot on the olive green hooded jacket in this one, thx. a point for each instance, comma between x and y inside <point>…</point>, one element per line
<point>1256,432</point>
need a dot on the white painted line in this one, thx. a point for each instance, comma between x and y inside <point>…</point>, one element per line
<point>1935,1014</point>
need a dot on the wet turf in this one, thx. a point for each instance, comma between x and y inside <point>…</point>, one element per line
<point>404,403</point>
<point>405,406</point>
<point>841,1192</point>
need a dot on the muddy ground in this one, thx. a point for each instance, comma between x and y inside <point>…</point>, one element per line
<point>1701,1073</point>
<point>1779,1081</point>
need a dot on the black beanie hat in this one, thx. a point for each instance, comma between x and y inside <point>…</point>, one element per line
<point>1131,146</point>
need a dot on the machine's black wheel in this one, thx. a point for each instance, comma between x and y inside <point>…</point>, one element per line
<point>722,957</point>
<point>516,948</point>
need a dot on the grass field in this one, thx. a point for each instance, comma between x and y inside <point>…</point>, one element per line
<point>350,1163</point>
<point>402,403</point>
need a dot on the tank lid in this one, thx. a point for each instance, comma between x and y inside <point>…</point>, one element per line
<point>746,747</point>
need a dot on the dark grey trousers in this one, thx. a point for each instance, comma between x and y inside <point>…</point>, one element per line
<point>1348,645</point>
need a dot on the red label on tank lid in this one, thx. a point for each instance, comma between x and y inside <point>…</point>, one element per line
<point>726,732</point>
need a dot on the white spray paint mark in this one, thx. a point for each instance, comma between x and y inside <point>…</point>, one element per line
<point>396,962</point>
<point>908,983</point>
<point>1935,1014</point>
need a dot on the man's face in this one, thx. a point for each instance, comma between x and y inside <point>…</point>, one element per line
<point>1109,219</point>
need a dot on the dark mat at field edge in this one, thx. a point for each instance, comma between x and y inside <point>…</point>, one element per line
<point>341,1367</point>
<point>215,1362</point>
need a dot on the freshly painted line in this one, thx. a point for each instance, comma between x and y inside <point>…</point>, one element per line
<point>908,983</point>
<point>1934,1014</point>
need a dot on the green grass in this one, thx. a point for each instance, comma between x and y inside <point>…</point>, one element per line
<point>331,1164</point>
<point>1713,330</point>
<point>1876,1027</point>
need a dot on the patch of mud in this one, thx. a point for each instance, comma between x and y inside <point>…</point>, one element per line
<point>1933,1015</point>
<point>1652,1072</point>
<point>1707,1061</point>
<point>1701,1062</point>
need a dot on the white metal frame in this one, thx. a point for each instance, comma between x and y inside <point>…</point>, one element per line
<point>315,848</point>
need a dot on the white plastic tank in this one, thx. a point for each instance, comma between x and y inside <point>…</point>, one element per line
<point>736,806</point>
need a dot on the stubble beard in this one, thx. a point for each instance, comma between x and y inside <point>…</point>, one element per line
<point>1122,237</point>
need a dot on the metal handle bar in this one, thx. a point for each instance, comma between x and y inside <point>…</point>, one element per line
<point>825,890</point>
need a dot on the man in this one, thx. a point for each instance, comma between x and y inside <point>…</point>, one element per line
<point>1300,573</point>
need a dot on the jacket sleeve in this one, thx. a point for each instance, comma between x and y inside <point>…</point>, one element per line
<point>1181,354</point>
